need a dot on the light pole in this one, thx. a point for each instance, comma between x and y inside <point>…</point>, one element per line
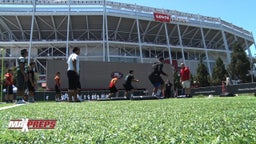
<point>2,72</point>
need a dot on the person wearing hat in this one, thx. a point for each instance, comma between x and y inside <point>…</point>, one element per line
<point>129,78</point>
<point>21,76</point>
<point>156,79</point>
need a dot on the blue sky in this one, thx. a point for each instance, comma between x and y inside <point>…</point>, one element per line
<point>238,12</point>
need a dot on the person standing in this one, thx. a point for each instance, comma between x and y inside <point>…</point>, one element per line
<point>57,87</point>
<point>129,78</point>
<point>8,82</point>
<point>185,78</point>
<point>21,76</point>
<point>32,85</point>
<point>73,74</point>
<point>156,79</point>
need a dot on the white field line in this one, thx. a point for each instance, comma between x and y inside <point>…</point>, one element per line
<point>12,106</point>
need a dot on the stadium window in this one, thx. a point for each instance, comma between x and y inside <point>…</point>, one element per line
<point>186,55</point>
<point>173,55</point>
<point>179,55</point>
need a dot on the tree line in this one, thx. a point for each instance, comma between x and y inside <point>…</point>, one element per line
<point>238,69</point>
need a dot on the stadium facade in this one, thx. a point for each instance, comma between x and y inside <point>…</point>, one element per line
<point>108,31</point>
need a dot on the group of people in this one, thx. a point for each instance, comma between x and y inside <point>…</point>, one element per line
<point>74,85</point>
<point>159,84</point>
<point>23,77</point>
<point>129,78</point>
<point>25,81</point>
<point>155,78</point>
<point>161,88</point>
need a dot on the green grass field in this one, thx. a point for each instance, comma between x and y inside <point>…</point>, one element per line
<point>194,120</point>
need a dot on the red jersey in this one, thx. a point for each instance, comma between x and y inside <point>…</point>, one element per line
<point>57,80</point>
<point>184,74</point>
<point>113,82</point>
<point>8,79</point>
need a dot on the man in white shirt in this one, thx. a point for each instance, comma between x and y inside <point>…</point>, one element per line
<point>73,75</point>
<point>21,76</point>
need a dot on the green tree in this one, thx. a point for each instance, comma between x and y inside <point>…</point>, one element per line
<point>202,75</point>
<point>240,64</point>
<point>219,72</point>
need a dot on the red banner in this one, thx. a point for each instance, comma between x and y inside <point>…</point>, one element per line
<point>162,17</point>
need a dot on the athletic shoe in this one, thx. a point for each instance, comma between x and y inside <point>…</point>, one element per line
<point>31,100</point>
<point>21,101</point>
<point>57,100</point>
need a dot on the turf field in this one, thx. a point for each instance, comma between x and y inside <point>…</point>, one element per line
<point>191,120</point>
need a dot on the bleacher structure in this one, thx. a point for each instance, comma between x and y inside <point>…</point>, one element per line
<point>109,31</point>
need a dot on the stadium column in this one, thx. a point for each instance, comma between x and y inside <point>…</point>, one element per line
<point>2,71</point>
<point>105,44</point>
<point>206,50</point>
<point>31,31</point>
<point>168,42</point>
<point>181,44</point>
<point>104,56</point>
<point>251,60</point>
<point>225,42</point>
<point>254,47</point>
<point>253,42</point>
<point>68,22</point>
<point>138,29</point>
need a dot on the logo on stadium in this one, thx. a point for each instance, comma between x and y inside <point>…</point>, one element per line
<point>26,124</point>
<point>116,74</point>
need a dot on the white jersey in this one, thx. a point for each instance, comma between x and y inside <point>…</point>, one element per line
<point>70,60</point>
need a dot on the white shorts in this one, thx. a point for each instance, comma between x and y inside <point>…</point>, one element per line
<point>186,84</point>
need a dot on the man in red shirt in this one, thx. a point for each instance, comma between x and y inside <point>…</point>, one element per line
<point>185,78</point>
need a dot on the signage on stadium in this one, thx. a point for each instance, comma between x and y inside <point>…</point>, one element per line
<point>162,17</point>
<point>167,18</point>
<point>179,19</point>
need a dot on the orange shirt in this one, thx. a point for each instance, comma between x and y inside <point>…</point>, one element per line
<point>8,79</point>
<point>113,82</point>
<point>57,80</point>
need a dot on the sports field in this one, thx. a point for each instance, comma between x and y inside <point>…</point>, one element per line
<point>193,120</point>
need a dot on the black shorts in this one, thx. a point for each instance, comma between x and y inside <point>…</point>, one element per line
<point>128,87</point>
<point>73,80</point>
<point>20,83</point>
<point>57,90</point>
<point>113,89</point>
<point>9,90</point>
<point>30,87</point>
<point>156,80</point>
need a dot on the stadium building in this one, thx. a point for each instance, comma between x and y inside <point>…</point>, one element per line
<point>108,31</point>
